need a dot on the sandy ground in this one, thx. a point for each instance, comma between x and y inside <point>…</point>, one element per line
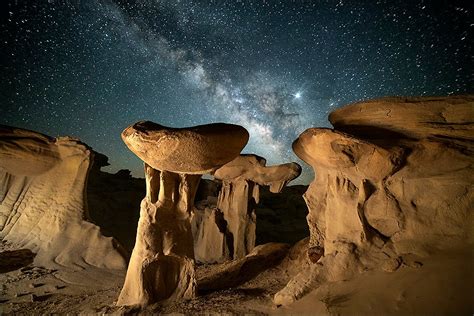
<point>114,200</point>
<point>36,290</point>
<point>439,285</point>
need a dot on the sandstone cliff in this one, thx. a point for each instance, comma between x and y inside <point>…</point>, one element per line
<point>42,201</point>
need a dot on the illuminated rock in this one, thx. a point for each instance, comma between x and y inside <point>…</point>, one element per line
<point>228,230</point>
<point>399,185</point>
<point>162,262</point>
<point>42,202</point>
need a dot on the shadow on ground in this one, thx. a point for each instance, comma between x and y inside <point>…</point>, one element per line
<point>12,260</point>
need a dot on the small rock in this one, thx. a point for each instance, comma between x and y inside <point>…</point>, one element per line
<point>35,285</point>
<point>315,253</point>
<point>392,264</point>
<point>416,264</point>
<point>20,294</point>
<point>25,269</point>
<point>411,260</point>
<point>58,287</point>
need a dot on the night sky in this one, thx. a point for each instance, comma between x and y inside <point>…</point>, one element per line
<point>89,68</point>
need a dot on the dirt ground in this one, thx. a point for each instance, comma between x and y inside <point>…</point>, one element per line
<point>113,200</point>
<point>29,289</point>
<point>441,285</point>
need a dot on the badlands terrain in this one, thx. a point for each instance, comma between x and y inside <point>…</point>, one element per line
<point>385,228</point>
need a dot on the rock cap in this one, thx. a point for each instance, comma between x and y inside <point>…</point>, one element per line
<point>413,117</point>
<point>252,167</point>
<point>339,151</point>
<point>191,150</point>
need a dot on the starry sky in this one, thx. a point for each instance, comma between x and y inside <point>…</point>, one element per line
<point>89,68</point>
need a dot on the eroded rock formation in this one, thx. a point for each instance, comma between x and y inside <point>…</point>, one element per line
<point>239,271</point>
<point>227,231</point>
<point>393,180</point>
<point>162,262</point>
<point>42,201</point>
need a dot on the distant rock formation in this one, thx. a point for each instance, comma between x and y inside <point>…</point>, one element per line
<point>114,203</point>
<point>228,231</point>
<point>281,217</point>
<point>162,262</point>
<point>394,179</point>
<point>42,201</point>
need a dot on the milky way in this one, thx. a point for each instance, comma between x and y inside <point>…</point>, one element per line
<point>89,68</point>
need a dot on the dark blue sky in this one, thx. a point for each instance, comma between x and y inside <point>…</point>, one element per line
<point>89,68</point>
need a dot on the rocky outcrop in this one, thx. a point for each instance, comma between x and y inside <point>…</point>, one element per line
<point>228,231</point>
<point>393,180</point>
<point>42,201</point>
<point>162,262</point>
<point>414,118</point>
<point>239,271</point>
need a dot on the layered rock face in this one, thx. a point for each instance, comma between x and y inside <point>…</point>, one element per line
<point>440,118</point>
<point>227,231</point>
<point>393,180</point>
<point>42,201</point>
<point>162,262</point>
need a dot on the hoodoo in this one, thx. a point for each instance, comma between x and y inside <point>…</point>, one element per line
<point>228,230</point>
<point>376,199</point>
<point>162,262</point>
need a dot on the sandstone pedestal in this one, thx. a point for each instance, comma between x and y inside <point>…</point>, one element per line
<point>228,231</point>
<point>162,262</point>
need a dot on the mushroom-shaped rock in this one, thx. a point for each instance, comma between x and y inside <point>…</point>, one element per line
<point>334,150</point>
<point>252,168</point>
<point>235,214</point>
<point>349,168</point>
<point>162,262</point>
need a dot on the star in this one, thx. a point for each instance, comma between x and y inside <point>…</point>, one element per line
<point>90,68</point>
